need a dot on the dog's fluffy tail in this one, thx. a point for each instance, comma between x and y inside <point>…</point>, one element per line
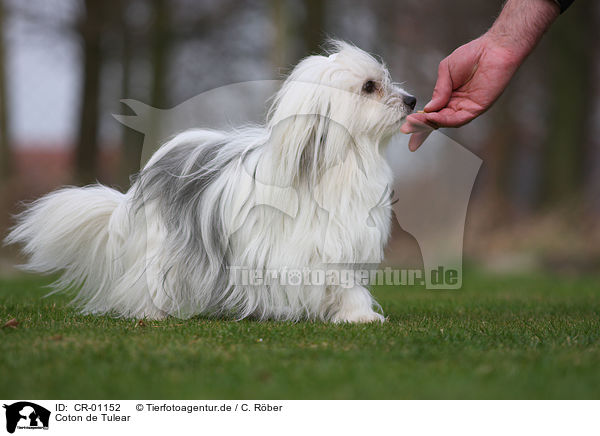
<point>68,230</point>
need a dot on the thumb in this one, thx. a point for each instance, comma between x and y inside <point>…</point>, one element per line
<point>442,90</point>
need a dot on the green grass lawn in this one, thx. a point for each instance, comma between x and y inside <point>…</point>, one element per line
<point>498,337</point>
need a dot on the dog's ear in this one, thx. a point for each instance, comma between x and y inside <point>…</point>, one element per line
<point>309,126</point>
<point>300,97</point>
<point>299,143</point>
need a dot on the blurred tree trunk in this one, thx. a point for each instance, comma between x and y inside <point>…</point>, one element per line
<point>90,29</point>
<point>131,141</point>
<point>161,47</point>
<point>568,69</point>
<point>281,42</point>
<point>528,93</point>
<point>492,193</point>
<point>5,151</point>
<point>314,25</point>
<point>593,121</point>
<point>296,37</point>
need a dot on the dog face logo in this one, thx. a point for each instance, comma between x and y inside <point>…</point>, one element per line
<point>26,415</point>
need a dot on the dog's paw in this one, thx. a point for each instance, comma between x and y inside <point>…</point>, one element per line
<point>358,317</point>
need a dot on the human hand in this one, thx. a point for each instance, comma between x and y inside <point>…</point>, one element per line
<point>475,74</point>
<point>468,83</point>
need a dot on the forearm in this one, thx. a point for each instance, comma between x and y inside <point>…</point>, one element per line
<point>521,24</point>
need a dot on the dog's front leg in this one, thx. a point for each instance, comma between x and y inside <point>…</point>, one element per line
<point>354,305</point>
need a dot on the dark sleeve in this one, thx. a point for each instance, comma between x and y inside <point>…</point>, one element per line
<point>563,4</point>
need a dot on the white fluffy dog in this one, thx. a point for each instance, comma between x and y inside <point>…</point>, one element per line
<point>167,246</point>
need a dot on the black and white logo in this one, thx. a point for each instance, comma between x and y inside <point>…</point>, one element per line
<point>26,415</point>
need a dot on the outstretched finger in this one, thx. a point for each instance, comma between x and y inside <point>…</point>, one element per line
<point>417,139</point>
<point>420,128</point>
<point>417,123</point>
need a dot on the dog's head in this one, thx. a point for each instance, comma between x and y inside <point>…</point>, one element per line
<point>350,88</point>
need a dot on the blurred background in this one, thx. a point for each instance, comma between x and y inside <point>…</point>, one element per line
<point>65,64</point>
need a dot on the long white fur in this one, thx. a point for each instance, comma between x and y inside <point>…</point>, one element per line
<point>163,248</point>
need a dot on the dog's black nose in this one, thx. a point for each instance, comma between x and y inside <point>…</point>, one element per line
<point>409,101</point>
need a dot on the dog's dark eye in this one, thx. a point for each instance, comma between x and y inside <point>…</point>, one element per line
<point>369,87</point>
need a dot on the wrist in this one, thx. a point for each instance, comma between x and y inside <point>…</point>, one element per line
<point>521,25</point>
<point>512,55</point>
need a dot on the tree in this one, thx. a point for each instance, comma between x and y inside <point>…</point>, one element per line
<point>593,127</point>
<point>161,47</point>
<point>131,150</point>
<point>90,28</point>
<point>5,152</point>
<point>314,25</point>
<point>568,69</point>
<point>281,44</point>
